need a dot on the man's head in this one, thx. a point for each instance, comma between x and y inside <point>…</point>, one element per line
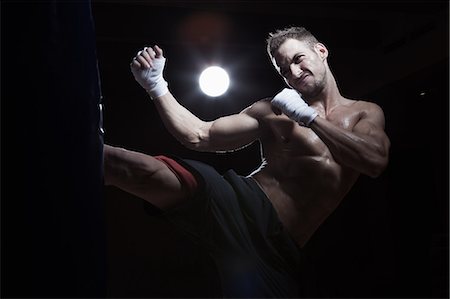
<point>300,58</point>
<point>277,38</point>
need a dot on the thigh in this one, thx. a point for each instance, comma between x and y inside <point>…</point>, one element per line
<point>143,176</point>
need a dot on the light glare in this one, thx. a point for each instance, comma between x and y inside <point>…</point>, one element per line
<point>214,81</point>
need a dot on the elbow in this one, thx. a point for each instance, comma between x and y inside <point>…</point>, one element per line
<point>194,145</point>
<point>196,141</point>
<point>378,163</point>
<point>377,168</point>
<point>191,143</point>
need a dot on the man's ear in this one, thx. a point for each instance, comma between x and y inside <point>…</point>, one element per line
<point>321,50</point>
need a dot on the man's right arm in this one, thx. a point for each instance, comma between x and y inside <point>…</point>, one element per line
<point>223,134</point>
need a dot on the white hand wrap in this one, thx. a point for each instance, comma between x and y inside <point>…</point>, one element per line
<point>291,103</point>
<point>151,79</point>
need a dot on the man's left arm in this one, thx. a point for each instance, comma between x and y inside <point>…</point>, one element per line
<point>365,148</point>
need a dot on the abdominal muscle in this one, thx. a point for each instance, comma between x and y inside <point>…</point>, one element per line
<point>302,180</point>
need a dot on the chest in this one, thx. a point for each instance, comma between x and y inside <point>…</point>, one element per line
<point>289,135</point>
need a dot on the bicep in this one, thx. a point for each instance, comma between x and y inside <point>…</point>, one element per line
<point>372,125</point>
<point>231,132</point>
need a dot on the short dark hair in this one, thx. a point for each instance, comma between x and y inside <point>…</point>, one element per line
<point>277,38</point>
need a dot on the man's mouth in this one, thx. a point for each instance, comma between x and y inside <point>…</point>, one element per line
<point>302,78</point>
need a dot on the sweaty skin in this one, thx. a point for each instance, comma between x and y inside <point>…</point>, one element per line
<point>306,171</point>
<point>310,170</point>
<point>301,178</point>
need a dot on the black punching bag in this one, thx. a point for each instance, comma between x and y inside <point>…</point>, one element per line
<point>52,209</point>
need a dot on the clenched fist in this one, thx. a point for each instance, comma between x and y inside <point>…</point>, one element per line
<point>147,68</point>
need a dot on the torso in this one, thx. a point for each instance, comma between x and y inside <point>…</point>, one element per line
<point>301,178</point>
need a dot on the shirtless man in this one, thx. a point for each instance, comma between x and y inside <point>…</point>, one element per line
<point>314,145</point>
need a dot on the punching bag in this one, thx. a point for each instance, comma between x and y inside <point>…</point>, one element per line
<point>52,209</point>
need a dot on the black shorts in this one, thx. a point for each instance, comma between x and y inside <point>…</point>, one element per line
<point>234,220</point>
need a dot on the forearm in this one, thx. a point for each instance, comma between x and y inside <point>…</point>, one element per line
<point>147,68</point>
<point>364,153</point>
<point>224,133</point>
<point>180,122</point>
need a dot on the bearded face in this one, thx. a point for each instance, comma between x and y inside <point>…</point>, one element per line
<point>303,66</point>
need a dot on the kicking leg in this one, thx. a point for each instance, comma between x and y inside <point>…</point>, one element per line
<point>144,176</point>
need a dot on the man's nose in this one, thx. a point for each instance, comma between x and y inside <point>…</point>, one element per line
<point>295,69</point>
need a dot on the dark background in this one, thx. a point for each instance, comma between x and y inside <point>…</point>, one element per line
<point>388,238</point>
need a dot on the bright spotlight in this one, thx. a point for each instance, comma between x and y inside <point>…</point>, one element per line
<point>214,81</point>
